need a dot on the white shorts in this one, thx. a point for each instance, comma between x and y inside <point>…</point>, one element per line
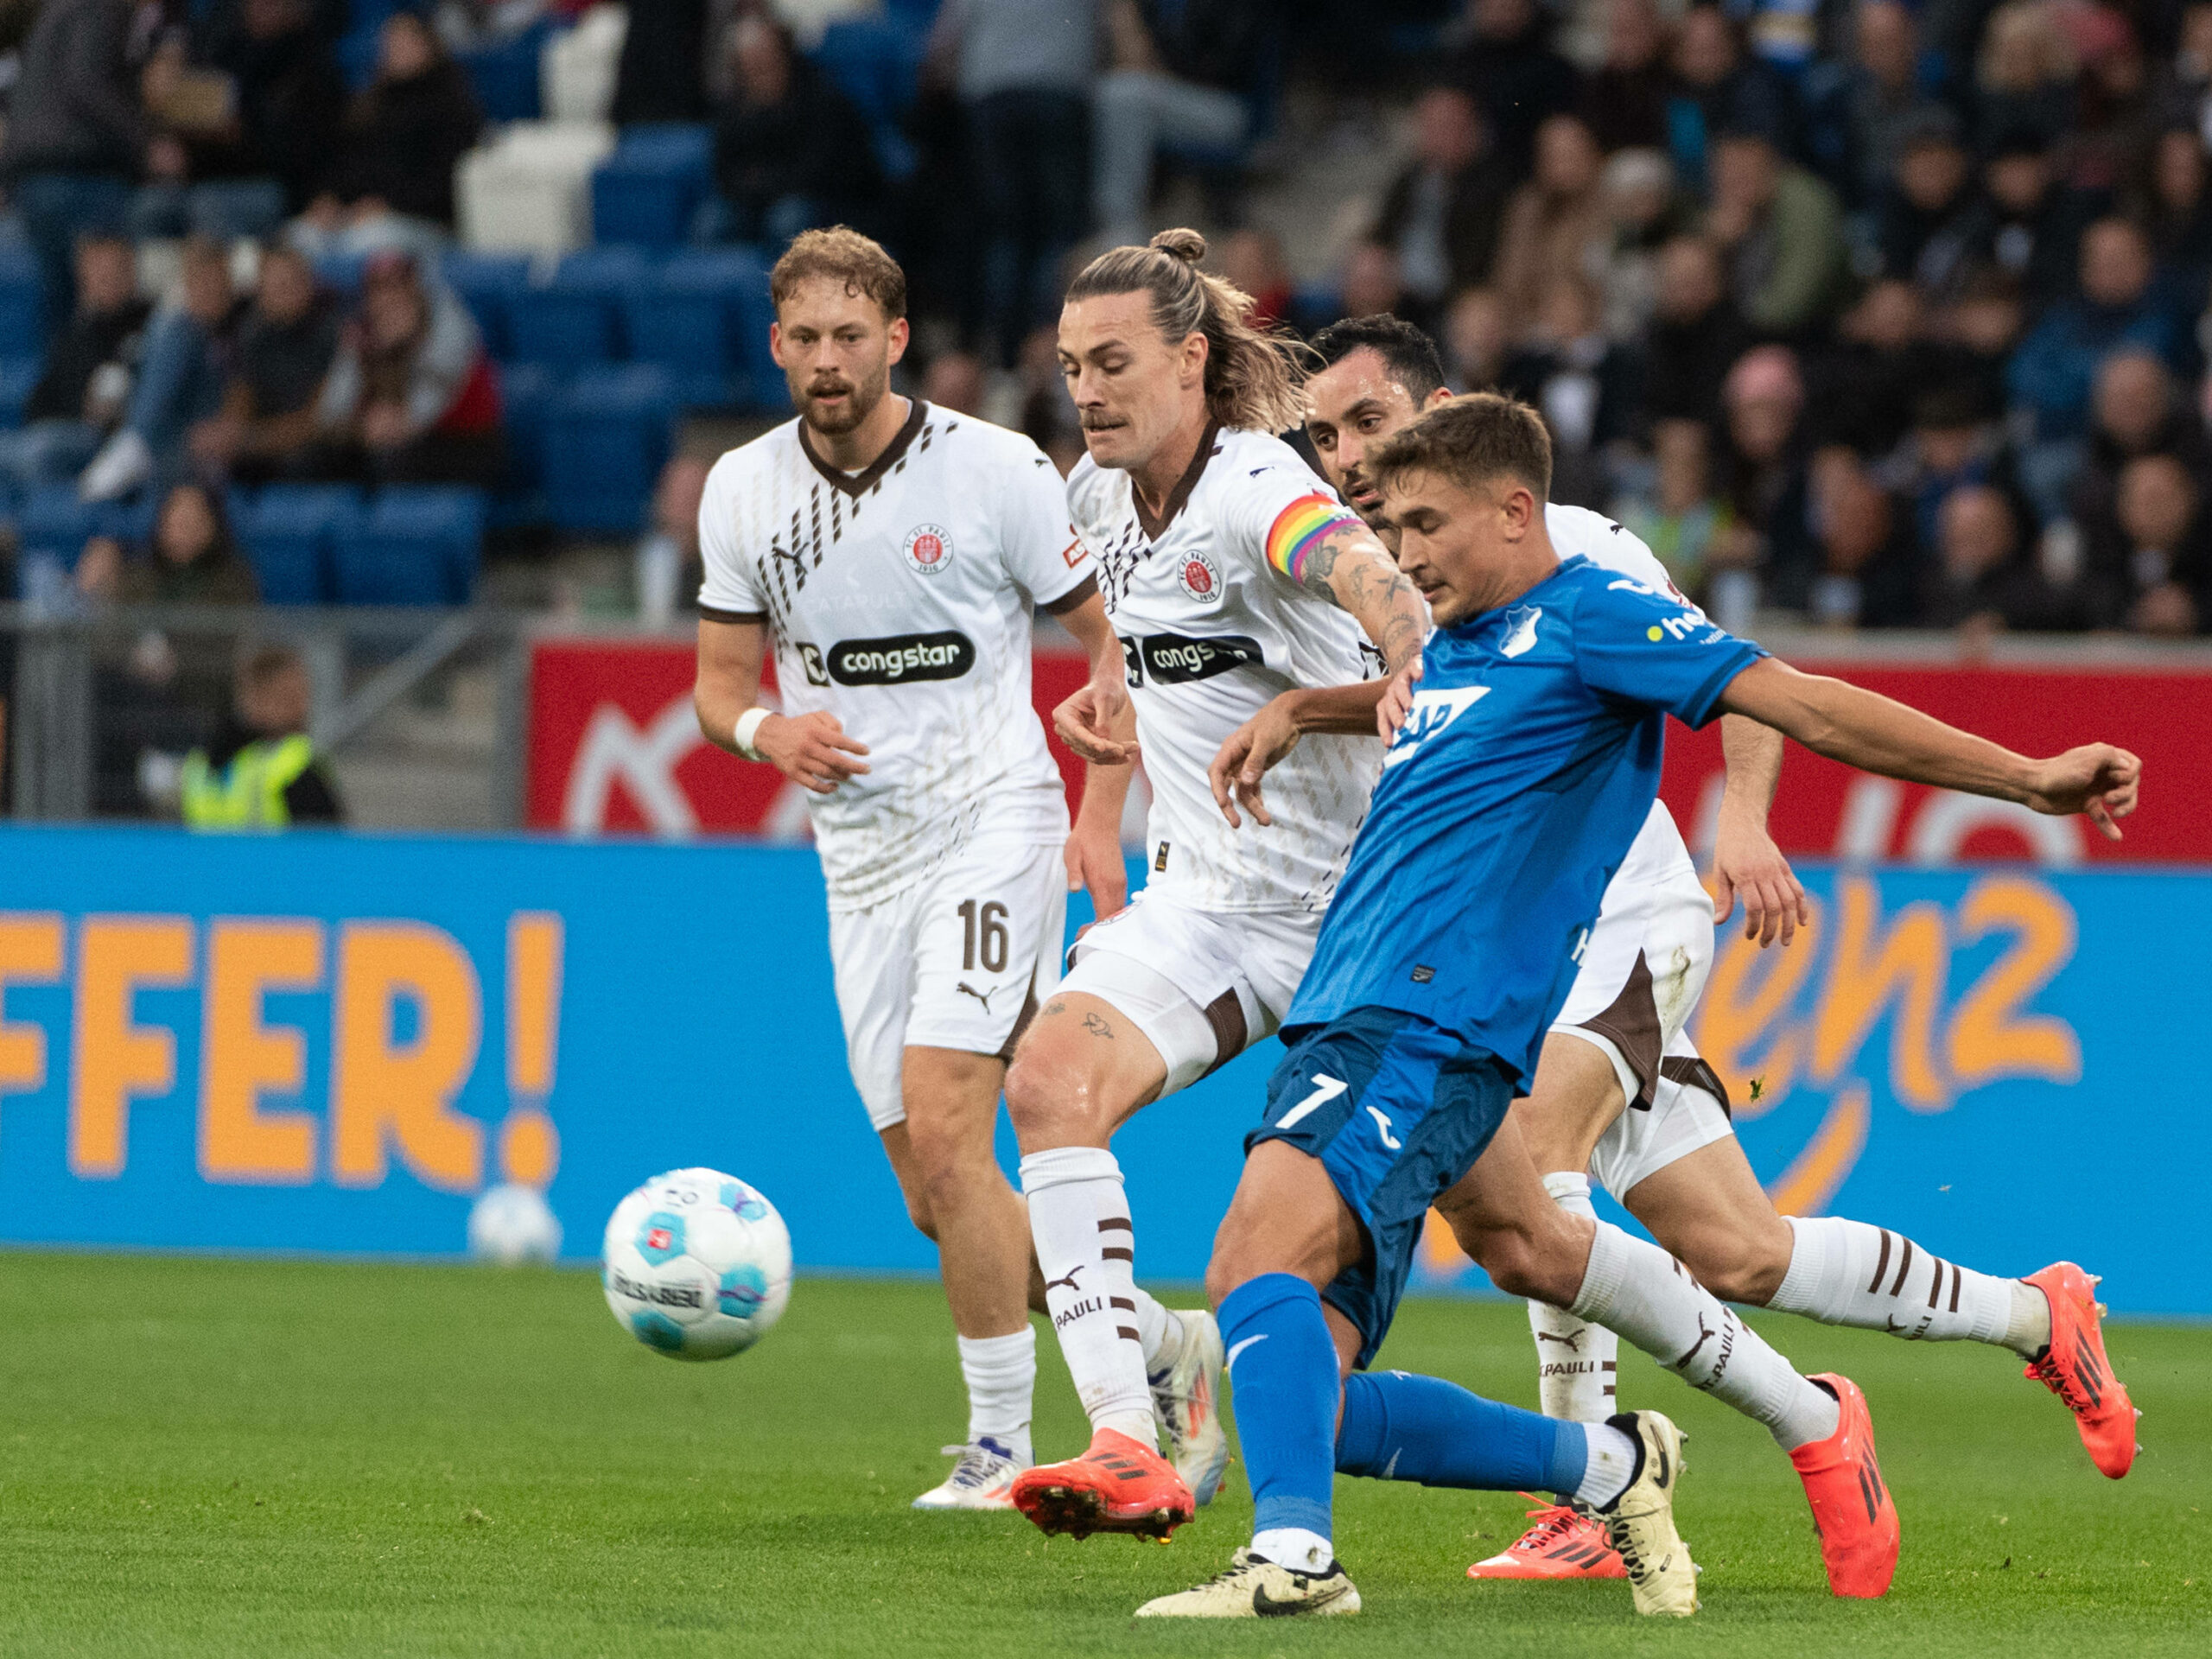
<point>1203,986</point>
<point>1686,1113</point>
<point>1645,961</point>
<point>953,962</point>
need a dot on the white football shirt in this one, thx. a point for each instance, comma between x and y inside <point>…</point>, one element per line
<point>1210,630</point>
<point>900,598</point>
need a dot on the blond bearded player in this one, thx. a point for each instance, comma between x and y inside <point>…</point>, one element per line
<point>1231,573</point>
<point>1666,1150</point>
<point>896,552</point>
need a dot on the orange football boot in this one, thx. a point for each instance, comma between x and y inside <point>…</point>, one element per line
<point>1562,1542</point>
<point>1119,1485</point>
<point>1852,1511</point>
<point>2075,1368</point>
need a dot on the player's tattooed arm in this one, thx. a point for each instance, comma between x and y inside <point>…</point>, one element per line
<point>1745,861</point>
<point>1354,571</point>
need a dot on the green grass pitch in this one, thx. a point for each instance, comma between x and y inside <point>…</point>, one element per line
<point>243,1459</point>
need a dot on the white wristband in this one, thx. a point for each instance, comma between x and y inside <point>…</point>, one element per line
<point>748,728</point>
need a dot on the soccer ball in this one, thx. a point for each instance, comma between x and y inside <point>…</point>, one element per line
<point>696,1264</point>
<point>513,1224</point>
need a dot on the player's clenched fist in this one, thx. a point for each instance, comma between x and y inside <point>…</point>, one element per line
<point>810,749</point>
<point>2096,778</point>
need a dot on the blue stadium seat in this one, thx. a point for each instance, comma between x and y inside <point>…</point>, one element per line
<point>290,533</point>
<point>877,62</point>
<point>505,73</point>
<point>53,521</point>
<point>648,190</point>
<point>706,321</point>
<point>18,380</point>
<point>488,283</point>
<point>130,520</point>
<point>357,56</point>
<point>572,320</point>
<point>605,443</point>
<point>21,331</point>
<point>415,545</point>
<point>527,394</point>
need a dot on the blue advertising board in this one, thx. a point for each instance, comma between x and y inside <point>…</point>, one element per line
<point>329,1043</point>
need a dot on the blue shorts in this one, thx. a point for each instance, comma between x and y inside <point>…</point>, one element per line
<point>1397,1110</point>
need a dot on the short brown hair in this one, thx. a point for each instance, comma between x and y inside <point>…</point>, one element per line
<point>843,255</point>
<point>1473,440</point>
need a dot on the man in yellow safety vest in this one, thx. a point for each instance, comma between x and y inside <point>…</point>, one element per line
<point>261,772</point>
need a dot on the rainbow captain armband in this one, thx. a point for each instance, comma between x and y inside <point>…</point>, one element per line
<point>1301,527</point>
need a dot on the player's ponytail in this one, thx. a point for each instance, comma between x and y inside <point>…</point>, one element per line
<point>1251,380</point>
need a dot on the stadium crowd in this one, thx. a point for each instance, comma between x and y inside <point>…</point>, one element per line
<point>1886,316</point>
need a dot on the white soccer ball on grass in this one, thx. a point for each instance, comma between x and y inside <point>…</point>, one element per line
<point>697,1265</point>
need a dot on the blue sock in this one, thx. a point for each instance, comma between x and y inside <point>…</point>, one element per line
<point>1402,1428</point>
<point>1283,1367</point>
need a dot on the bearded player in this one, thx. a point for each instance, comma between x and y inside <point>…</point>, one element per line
<point>1666,1149</point>
<point>895,553</point>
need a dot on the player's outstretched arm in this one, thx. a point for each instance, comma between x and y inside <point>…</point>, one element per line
<point>1745,861</point>
<point>810,749</point>
<point>1865,729</point>
<point>1353,569</point>
<point>1265,739</point>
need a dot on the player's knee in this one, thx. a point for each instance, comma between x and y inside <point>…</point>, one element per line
<point>918,1212</point>
<point>1519,1264</point>
<point>1043,1097</point>
<point>1734,1266</point>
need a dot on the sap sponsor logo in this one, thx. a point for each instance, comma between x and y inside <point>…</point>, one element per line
<point>1431,712</point>
<point>901,658</point>
<point>928,548</point>
<point>1179,659</point>
<point>659,1295</point>
<point>1200,577</point>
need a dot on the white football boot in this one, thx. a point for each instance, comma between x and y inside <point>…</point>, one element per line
<point>1640,1524</point>
<point>1255,1588</point>
<point>1186,1402</point>
<point>982,1479</point>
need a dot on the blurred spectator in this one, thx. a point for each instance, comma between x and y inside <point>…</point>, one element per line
<point>76,137</point>
<point>1023,69</point>
<point>1441,214</point>
<point>191,153</point>
<point>792,152</point>
<point>1782,231</point>
<point>1877,100</point>
<point>286,94</point>
<point>1697,334</point>
<point>1864,575</point>
<point>261,772</point>
<point>668,563</point>
<point>2184,89</point>
<point>1478,334</point>
<point>266,428</point>
<point>1624,100</point>
<point>390,182</point>
<point>1717,89</point>
<point>956,381</point>
<point>2136,411</point>
<point>1863,383</point>
<point>1955,441</point>
<point>1681,520</point>
<point>1253,260</point>
<point>1177,72</point>
<point>2163,556</point>
<point>182,375</point>
<point>412,398</point>
<point>81,396</point>
<point>667,61</point>
<point>2111,124</point>
<point>1579,381</point>
<point>1981,577</point>
<point>1642,216</point>
<point>1930,217</point>
<point>1508,64</point>
<point>2051,372</point>
<point>2024,79</point>
<point>1555,224</point>
<point>1763,471</point>
<point>1974,340</point>
<point>2028,225</point>
<point>2174,204</point>
<point>191,561</point>
<point>1371,284</point>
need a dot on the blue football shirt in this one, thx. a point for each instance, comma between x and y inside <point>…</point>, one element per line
<point>1511,795</point>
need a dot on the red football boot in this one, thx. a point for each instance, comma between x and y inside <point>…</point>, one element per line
<point>1561,1542</point>
<point>1852,1511</point>
<point>2075,1368</point>
<point>1119,1485</point>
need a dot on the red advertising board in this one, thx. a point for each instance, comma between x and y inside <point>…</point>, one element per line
<point>613,747</point>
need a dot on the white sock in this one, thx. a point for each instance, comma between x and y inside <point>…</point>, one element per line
<point>1610,1467</point>
<point>1848,1273</point>
<point>1294,1547</point>
<point>1079,1219</point>
<point>1160,1332</point>
<point>1001,1376</point>
<point>1577,1363</point>
<point>2027,1331</point>
<point>1650,1297</point>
